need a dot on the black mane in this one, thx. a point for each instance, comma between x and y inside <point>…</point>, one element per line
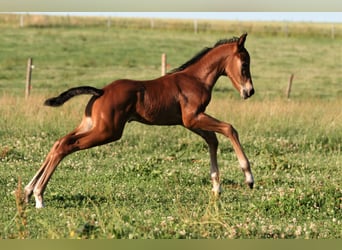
<point>203,52</point>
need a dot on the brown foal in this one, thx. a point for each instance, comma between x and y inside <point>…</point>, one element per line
<point>178,98</point>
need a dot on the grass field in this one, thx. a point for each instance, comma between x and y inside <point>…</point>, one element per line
<point>154,182</point>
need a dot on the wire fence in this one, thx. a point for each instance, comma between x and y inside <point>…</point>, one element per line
<point>332,30</point>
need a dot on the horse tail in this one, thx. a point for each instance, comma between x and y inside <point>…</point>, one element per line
<point>70,93</point>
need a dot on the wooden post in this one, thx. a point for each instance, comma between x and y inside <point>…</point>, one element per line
<point>332,31</point>
<point>151,23</point>
<point>21,21</point>
<point>109,22</point>
<point>195,26</point>
<point>286,29</point>
<point>28,77</point>
<point>289,86</point>
<point>163,64</point>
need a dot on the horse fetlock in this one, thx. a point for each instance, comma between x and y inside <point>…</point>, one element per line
<point>28,191</point>
<point>244,164</point>
<point>38,198</point>
<point>39,201</point>
<point>216,185</point>
<point>216,191</point>
<point>249,179</point>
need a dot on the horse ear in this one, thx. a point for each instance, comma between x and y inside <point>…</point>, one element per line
<point>241,41</point>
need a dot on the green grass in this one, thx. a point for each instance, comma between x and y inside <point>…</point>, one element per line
<point>154,182</point>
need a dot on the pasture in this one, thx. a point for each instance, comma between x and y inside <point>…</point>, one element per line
<point>154,182</point>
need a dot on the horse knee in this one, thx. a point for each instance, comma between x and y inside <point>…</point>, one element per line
<point>230,131</point>
<point>64,146</point>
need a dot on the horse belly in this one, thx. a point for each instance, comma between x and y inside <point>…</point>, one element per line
<point>158,113</point>
<point>160,117</point>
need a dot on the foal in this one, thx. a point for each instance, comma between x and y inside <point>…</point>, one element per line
<point>178,98</point>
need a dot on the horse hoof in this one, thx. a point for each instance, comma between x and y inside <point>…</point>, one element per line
<point>39,205</point>
<point>216,192</point>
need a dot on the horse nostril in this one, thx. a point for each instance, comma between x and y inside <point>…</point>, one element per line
<point>246,93</point>
<point>251,92</point>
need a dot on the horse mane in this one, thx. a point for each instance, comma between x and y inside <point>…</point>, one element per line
<point>203,52</point>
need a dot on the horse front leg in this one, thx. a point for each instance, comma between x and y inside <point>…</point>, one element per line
<point>211,139</point>
<point>205,122</point>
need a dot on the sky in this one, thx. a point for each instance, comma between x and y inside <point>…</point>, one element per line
<point>330,17</point>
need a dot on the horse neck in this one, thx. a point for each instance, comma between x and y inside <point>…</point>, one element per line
<point>212,65</point>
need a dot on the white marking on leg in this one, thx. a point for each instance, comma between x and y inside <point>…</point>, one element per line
<point>245,166</point>
<point>39,201</point>
<point>249,177</point>
<point>85,126</point>
<point>216,184</point>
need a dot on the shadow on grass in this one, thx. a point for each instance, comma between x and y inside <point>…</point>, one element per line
<point>225,182</point>
<point>232,183</point>
<point>76,200</point>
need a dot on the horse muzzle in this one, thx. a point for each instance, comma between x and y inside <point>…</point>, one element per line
<point>247,92</point>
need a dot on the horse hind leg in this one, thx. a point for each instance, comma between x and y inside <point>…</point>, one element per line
<point>85,125</point>
<point>80,139</point>
<point>63,147</point>
<point>30,186</point>
<point>37,184</point>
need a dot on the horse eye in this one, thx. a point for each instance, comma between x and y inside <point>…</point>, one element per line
<point>244,68</point>
<point>244,65</point>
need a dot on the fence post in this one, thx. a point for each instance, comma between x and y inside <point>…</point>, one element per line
<point>28,77</point>
<point>163,64</point>
<point>289,86</point>
<point>332,31</point>
<point>286,29</point>
<point>109,22</point>
<point>21,23</point>
<point>151,23</point>
<point>195,26</point>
